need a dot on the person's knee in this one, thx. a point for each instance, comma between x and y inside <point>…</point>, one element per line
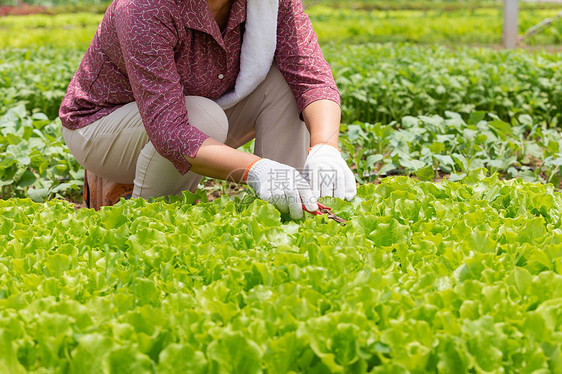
<point>207,116</point>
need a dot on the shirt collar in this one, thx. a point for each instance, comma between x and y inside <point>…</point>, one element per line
<point>198,17</point>
<point>237,14</point>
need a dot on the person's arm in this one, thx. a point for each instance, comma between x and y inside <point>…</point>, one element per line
<point>322,118</point>
<point>216,160</point>
<point>277,183</point>
<point>300,60</point>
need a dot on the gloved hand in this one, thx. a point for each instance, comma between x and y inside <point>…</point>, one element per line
<point>328,173</point>
<point>281,185</point>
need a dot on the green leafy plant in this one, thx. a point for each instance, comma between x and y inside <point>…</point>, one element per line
<point>37,78</point>
<point>431,147</point>
<point>34,160</point>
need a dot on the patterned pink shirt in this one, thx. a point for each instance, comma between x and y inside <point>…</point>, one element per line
<point>155,52</point>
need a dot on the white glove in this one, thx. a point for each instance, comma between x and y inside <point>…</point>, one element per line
<point>281,185</point>
<point>328,173</point>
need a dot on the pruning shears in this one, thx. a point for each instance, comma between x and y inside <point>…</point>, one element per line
<point>323,209</point>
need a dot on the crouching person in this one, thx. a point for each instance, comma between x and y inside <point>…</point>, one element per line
<point>168,90</point>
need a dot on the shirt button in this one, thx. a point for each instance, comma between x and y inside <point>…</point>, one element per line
<point>221,76</point>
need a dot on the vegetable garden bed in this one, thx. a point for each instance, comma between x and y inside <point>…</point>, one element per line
<point>423,278</point>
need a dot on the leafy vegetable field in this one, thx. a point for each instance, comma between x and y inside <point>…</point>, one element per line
<point>424,111</point>
<point>346,24</point>
<point>430,147</point>
<point>54,31</point>
<point>461,276</point>
<point>424,277</point>
<point>431,25</point>
<point>385,82</point>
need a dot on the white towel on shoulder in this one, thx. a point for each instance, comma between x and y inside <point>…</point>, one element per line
<point>258,49</point>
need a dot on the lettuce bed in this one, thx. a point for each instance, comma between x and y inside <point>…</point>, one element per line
<point>425,277</point>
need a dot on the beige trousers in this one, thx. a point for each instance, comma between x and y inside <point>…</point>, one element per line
<point>117,147</point>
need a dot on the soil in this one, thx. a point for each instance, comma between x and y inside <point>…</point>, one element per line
<point>23,10</point>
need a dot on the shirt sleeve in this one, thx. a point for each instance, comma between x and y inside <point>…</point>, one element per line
<point>147,34</point>
<point>299,57</point>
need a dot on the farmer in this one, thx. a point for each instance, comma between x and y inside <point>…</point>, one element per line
<point>169,89</point>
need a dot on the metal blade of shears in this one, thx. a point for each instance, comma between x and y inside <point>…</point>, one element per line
<point>323,209</point>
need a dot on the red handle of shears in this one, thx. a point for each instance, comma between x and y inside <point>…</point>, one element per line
<point>319,211</point>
